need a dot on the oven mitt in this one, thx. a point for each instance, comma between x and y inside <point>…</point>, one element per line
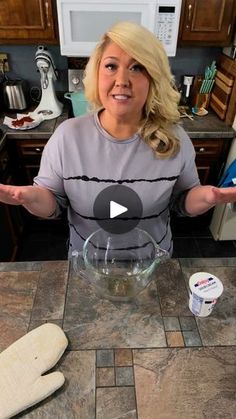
<point>22,365</point>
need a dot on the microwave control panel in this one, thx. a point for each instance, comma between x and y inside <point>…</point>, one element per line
<point>166,24</point>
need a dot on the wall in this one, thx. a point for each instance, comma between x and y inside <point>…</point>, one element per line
<point>22,64</point>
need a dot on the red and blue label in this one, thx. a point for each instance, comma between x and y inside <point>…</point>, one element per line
<point>204,281</point>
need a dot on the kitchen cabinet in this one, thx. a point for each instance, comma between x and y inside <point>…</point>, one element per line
<point>11,217</point>
<point>29,152</point>
<point>207,23</point>
<point>210,159</point>
<point>28,22</point>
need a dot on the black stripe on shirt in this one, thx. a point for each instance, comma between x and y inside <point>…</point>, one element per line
<point>147,217</point>
<point>120,181</point>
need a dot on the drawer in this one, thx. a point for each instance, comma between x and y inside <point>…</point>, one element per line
<point>208,148</point>
<point>31,148</point>
<point>211,155</point>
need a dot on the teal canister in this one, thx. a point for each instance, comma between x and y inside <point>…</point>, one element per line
<point>79,102</point>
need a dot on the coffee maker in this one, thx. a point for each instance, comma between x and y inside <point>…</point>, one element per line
<point>49,105</point>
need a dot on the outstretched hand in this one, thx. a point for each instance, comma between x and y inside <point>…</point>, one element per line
<point>203,197</point>
<point>37,200</point>
<point>16,195</point>
<point>221,195</point>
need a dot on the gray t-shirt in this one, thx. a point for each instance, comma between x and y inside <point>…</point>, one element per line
<point>81,159</point>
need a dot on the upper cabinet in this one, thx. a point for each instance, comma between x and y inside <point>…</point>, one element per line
<point>210,22</point>
<point>28,22</point>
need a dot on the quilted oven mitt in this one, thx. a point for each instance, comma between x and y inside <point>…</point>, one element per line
<point>22,365</point>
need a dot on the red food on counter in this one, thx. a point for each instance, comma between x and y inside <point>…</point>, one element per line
<point>20,122</point>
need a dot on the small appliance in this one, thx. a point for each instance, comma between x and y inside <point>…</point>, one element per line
<point>14,95</point>
<point>49,105</point>
<point>82,23</point>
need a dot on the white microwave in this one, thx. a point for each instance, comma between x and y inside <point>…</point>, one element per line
<point>83,22</point>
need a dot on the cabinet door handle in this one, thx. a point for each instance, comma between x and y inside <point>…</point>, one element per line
<point>202,149</point>
<point>189,16</point>
<point>38,149</point>
<point>47,13</point>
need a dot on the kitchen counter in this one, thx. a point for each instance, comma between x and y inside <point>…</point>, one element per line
<point>209,126</point>
<point>43,131</point>
<point>147,359</point>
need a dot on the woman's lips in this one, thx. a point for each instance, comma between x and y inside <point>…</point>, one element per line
<point>121,97</point>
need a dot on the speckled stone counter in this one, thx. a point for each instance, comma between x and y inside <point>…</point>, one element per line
<point>147,359</point>
<point>43,131</point>
<point>209,126</point>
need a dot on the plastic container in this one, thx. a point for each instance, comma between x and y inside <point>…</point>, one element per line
<point>205,289</point>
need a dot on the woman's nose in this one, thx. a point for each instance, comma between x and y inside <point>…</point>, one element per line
<point>122,79</point>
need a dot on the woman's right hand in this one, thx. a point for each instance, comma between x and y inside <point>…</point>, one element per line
<point>37,200</point>
<point>16,195</point>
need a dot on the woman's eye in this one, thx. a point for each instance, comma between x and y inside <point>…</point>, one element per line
<point>137,67</point>
<point>110,66</point>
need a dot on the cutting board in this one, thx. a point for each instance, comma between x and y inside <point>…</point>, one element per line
<point>221,92</point>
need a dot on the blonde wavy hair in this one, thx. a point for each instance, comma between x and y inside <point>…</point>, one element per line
<point>161,109</point>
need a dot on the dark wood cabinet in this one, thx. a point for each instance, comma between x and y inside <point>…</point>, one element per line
<point>29,153</point>
<point>210,159</point>
<point>210,22</point>
<point>11,216</point>
<point>28,22</point>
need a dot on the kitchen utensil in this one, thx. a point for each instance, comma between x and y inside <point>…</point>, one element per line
<point>188,80</point>
<point>119,266</point>
<point>209,78</point>
<point>49,105</point>
<point>14,94</point>
<point>185,112</point>
<point>79,103</point>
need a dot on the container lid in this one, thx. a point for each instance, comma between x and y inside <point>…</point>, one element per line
<point>205,285</point>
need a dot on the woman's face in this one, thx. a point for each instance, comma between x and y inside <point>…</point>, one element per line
<point>123,84</point>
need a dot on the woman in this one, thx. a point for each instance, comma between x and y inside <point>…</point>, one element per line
<point>132,137</point>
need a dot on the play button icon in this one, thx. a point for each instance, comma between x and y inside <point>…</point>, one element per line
<point>117,209</point>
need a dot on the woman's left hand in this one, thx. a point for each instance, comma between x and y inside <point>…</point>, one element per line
<point>203,197</point>
<point>221,195</point>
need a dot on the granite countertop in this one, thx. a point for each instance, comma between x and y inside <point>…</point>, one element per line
<point>146,359</point>
<point>207,127</point>
<point>42,131</point>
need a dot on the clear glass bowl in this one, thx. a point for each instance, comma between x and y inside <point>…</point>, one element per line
<point>118,266</point>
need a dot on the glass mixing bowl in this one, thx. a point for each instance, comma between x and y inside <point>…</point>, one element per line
<point>119,266</point>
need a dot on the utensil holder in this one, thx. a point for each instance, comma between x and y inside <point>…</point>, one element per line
<point>201,100</point>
